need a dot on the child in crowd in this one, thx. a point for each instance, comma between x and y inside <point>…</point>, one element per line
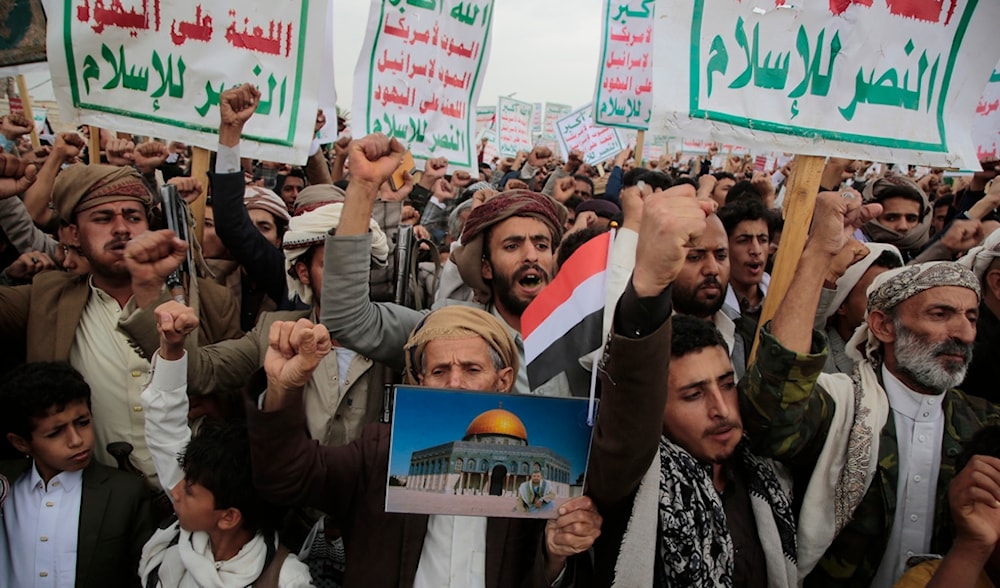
<point>224,534</point>
<point>68,519</point>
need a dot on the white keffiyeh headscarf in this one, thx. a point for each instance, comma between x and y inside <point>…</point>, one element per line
<point>978,259</point>
<point>189,562</point>
<point>309,229</point>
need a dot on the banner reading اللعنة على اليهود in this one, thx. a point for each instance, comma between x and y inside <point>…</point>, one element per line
<point>158,68</point>
<point>883,80</point>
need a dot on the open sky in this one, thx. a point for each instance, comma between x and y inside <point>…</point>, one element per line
<point>430,417</point>
<point>545,50</point>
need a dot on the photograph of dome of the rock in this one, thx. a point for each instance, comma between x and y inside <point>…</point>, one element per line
<point>485,454</point>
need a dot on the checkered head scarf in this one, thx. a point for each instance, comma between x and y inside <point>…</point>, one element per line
<point>892,287</point>
<point>457,322</point>
<point>470,254</point>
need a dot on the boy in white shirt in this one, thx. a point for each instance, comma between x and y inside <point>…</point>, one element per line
<point>224,534</point>
<point>69,520</point>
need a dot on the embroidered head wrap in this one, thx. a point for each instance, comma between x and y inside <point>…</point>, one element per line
<point>853,275</point>
<point>259,198</point>
<point>891,288</point>
<point>316,195</point>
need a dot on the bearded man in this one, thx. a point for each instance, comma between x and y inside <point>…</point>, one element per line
<point>872,453</point>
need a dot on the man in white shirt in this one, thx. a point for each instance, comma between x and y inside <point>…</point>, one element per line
<point>68,520</point>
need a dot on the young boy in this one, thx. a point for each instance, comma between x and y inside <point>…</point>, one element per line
<point>224,534</point>
<point>68,519</point>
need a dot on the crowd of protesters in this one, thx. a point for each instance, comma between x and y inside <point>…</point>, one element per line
<point>228,432</point>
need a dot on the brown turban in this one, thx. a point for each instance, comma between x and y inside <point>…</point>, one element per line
<point>457,322</point>
<point>315,196</point>
<point>81,187</point>
<point>469,256</point>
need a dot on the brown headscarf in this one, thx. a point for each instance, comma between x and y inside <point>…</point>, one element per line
<point>457,322</point>
<point>316,195</point>
<point>469,255</point>
<point>81,187</point>
<point>897,186</point>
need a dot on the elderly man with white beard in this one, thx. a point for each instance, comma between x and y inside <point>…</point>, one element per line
<point>871,453</point>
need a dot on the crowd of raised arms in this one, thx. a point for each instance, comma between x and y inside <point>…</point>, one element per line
<point>208,411</point>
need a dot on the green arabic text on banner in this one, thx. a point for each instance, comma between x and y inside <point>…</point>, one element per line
<point>874,80</point>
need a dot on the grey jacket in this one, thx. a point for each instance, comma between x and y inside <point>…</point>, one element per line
<point>379,330</point>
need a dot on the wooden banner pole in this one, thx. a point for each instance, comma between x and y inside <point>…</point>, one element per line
<point>200,159</point>
<point>94,145</point>
<point>800,200</point>
<point>22,91</point>
<point>639,138</point>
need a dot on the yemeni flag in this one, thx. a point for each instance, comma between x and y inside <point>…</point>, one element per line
<point>564,322</point>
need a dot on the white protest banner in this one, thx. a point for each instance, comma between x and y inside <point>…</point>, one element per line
<point>40,115</point>
<point>536,118</point>
<point>490,150</point>
<point>624,93</point>
<point>419,74</point>
<point>553,112</point>
<point>883,80</point>
<point>513,126</point>
<point>327,91</point>
<point>157,68</point>
<point>730,149</point>
<point>653,151</point>
<point>548,140</point>
<point>986,125</point>
<point>485,118</point>
<point>577,130</point>
<point>696,146</point>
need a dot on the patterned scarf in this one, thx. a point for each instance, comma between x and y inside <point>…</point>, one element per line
<point>696,548</point>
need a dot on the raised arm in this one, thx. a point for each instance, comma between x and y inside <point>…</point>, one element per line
<point>290,468</point>
<point>634,393</point>
<point>783,409</point>
<point>165,400</point>
<point>375,330</point>
<point>263,262</point>
<point>37,197</point>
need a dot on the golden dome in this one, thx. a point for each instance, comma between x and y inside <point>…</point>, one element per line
<point>497,422</point>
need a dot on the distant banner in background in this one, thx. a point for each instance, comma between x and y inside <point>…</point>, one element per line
<point>553,112</point>
<point>485,118</point>
<point>986,125</point>
<point>624,93</point>
<point>513,126</point>
<point>577,130</point>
